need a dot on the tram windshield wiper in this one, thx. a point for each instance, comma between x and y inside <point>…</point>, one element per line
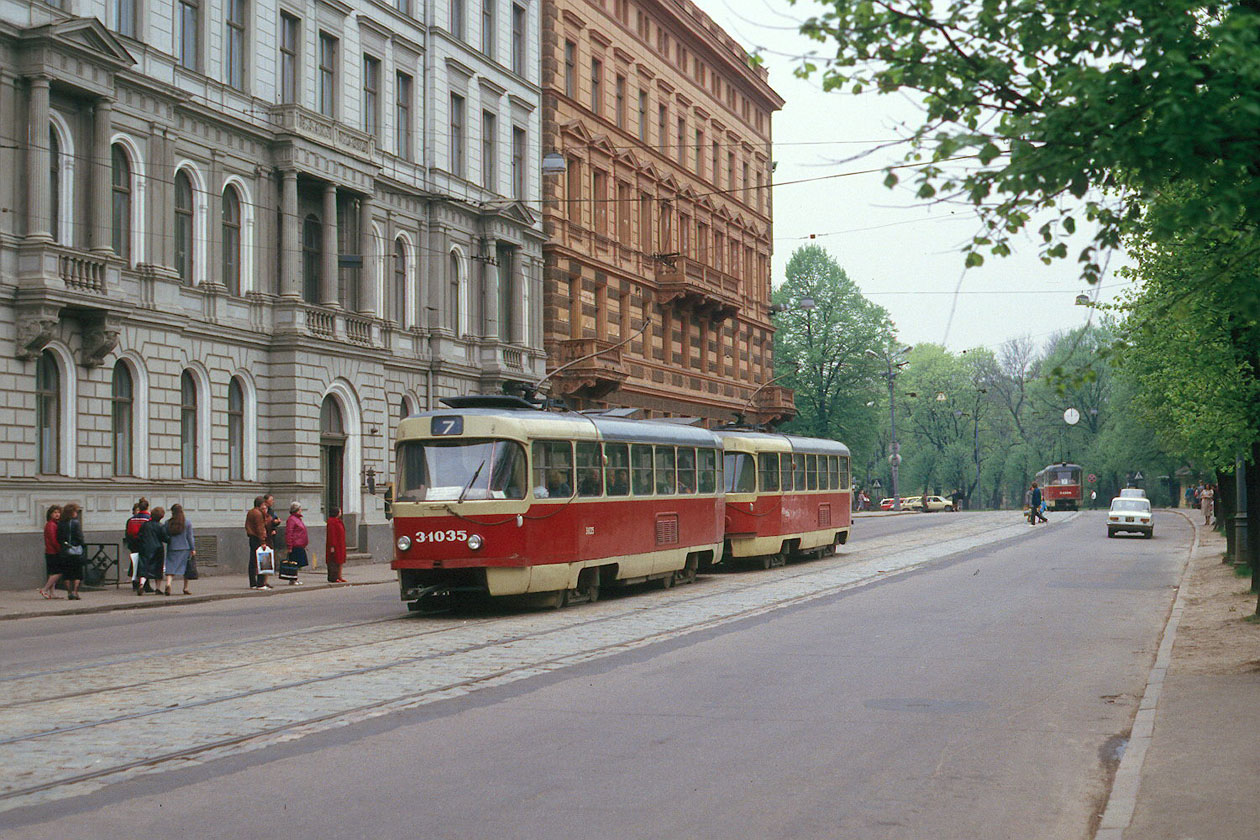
<point>471,481</point>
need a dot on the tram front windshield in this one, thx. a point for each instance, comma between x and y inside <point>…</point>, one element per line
<point>1064,476</point>
<point>464,470</point>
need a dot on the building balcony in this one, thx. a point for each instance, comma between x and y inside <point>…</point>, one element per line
<point>594,370</point>
<point>688,284</point>
<point>775,403</point>
<point>296,120</point>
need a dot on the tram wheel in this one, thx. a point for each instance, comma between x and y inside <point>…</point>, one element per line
<point>687,574</point>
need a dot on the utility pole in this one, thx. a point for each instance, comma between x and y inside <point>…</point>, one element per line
<point>894,459</point>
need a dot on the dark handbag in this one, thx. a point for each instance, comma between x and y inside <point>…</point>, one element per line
<point>288,570</point>
<point>190,571</point>
<point>72,552</point>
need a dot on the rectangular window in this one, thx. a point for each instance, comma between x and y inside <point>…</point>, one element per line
<point>404,6</point>
<point>811,472</point>
<point>189,38</point>
<point>457,18</point>
<point>570,69</point>
<point>686,469</point>
<point>682,140</point>
<point>710,480</point>
<point>402,115</point>
<point>716,162</point>
<point>798,472</point>
<point>235,36</point>
<point>487,27</point>
<point>624,206</point>
<point>125,17</point>
<point>666,471</point>
<point>327,75</point>
<point>662,126</point>
<point>700,152</point>
<point>617,458</point>
<point>574,191</point>
<point>620,93</point>
<point>645,223</point>
<point>844,473</point>
<point>597,87</point>
<point>599,200</point>
<point>519,171</point>
<point>643,116</point>
<point>553,469</point>
<point>371,95</point>
<point>590,469</point>
<point>768,470</point>
<point>641,469</point>
<point>489,160</point>
<point>518,39</point>
<point>458,150</point>
<point>730,171</point>
<point>289,33</point>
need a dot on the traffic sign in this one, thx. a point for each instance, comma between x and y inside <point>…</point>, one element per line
<point>1137,476</point>
<point>1092,478</point>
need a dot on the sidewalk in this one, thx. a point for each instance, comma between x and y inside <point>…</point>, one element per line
<point>1191,763</point>
<point>28,603</point>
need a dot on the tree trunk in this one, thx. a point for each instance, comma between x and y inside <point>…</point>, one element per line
<point>1228,496</point>
<point>1253,515</point>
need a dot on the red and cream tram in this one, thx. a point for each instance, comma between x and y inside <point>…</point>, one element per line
<point>1060,486</point>
<point>496,497</point>
<point>786,496</point>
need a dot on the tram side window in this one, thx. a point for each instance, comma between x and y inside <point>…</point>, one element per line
<point>739,473</point>
<point>707,463</point>
<point>553,469</point>
<point>641,469</point>
<point>811,472</point>
<point>844,471</point>
<point>617,456</point>
<point>666,478</point>
<point>798,472</point>
<point>686,469</point>
<point>768,463</point>
<point>785,471</point>
<point>833,472</point>
<point>590,469</point>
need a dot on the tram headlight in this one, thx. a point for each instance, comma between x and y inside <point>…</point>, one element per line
<point>475,542</point>
<point>404,542</point>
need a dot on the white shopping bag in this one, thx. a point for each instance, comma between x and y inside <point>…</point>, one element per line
<point>266,561</point>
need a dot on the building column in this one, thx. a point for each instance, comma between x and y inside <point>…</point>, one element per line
<point>367,274</point>
<point>290,245</point>
<point>489,289</point>
<point>38,164</point>
<point>100,219</point>
<point>328,259</point>
<point>520,318</point>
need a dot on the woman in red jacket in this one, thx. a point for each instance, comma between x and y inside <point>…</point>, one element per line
<point>335,549</point>
<point>52,551</point>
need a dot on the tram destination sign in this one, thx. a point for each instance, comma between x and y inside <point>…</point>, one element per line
<point>451,424</point>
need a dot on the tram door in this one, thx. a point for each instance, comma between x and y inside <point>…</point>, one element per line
<point>332,455</point>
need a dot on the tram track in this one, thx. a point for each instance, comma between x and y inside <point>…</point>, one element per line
<point>257,702</point>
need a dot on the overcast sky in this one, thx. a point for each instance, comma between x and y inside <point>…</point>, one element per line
<point>903,254</point>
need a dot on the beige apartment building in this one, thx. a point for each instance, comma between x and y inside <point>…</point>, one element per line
<point>659,221</point>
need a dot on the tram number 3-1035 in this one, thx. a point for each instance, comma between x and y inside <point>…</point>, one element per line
<point>441,536</point>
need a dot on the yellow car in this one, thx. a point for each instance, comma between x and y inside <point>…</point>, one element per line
<point>931,504</point>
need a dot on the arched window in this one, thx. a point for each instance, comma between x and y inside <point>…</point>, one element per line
<point>187,425</point>
<point>312,245</point>
<point>54,182</point>
<point>457,321</point>
<point>332,446</point>
<point>403,409</point>
<point>121,426</point>
<point>232,240</point>
<point>236,430</point>
<point>121,202</point>
<point>398,300</point>
<point>184,227</point>
<point>48,414</point>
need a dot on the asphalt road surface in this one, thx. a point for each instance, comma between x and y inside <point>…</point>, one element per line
<point>944,676</point>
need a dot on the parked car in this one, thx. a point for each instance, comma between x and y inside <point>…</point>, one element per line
<point>909,502</point>
<point>1130,514</point>
<point>885,504</point>
<point>932,504</point>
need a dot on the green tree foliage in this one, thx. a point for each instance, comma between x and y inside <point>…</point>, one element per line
<point>1086,110</point>
<point>820,352</point>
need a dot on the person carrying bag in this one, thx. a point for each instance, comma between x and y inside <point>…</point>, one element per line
<point>70,540</point>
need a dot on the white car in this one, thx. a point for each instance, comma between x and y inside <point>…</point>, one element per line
<point>1132,493</point>
<point>1130,514</point>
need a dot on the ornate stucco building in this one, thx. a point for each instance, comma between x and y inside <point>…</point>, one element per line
<point>242,238</point>
<point>661,215</point>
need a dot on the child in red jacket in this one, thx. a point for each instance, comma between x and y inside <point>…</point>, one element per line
<point>335,549</point>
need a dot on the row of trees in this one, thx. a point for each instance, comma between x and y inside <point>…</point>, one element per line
<point>1138,120</point>
<point>978,423</point>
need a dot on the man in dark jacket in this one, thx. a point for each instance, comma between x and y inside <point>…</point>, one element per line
<point>1034,506</point>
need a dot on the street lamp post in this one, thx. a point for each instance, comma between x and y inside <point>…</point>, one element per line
<point>894,460</point>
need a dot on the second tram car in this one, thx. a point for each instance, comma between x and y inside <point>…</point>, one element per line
<point>1061,486</point>
<point>786,496</point>
<point>496,497</point>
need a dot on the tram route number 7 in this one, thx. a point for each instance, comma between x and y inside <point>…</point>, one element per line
<point>453,425</point>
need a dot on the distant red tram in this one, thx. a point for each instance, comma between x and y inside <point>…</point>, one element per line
<point>1061,487</point>
<point>496,497</point>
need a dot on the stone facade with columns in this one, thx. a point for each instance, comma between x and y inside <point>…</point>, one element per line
<point>244,238</point>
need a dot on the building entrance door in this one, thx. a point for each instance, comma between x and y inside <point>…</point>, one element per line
<point>332,456</point>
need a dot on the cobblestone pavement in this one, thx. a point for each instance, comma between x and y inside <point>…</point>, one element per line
<point>71,730</point>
